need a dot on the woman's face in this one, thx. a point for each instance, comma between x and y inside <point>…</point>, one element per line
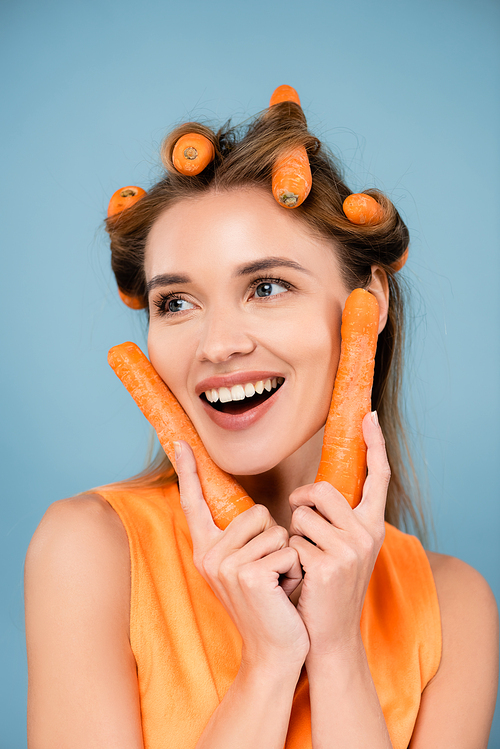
<point>244,298</point>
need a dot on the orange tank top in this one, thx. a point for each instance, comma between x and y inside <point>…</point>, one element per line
<point>188,650</point>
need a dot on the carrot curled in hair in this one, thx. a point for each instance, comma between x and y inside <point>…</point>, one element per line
<point>134,302</point>
<point>124,198</point>
<point>224,496</point>
<point>192,153</point>
<point>292,178</point>
<point>343,458</point>
<point>398,264</point>
<point>284,93</point>
<point>362,209</point>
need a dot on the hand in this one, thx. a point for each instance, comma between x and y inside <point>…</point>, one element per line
<point>338,568</point>
<point>251,569</point>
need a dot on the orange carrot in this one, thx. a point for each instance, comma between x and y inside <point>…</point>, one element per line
<point>398,264</point>
<point>124,198</point>
<point>343,459</point>
<point>223,494</point>
<point>361,208</point>
<point>284,93</point>
<point>292,178</point>
<point>131,301</point>
<point>192,153</point>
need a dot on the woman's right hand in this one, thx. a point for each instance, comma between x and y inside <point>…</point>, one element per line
<point>251,569</point>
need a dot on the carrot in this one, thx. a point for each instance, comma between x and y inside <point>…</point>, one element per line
<point>192,153</point>
<point>343,458</point>
<point>398,264</point>
<point>223,494</point>
<point>131,301</point>
<point>124,198</point>
<point>292,178</point>
<point>361,208</point>
<point>284,93</point>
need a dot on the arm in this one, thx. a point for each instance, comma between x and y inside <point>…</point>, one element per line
<point>251,569</point>
<point>458,704</point>
<point>82,682</point>
<point>345,709</point>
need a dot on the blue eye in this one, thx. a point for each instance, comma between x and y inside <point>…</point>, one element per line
<point>175,305</point>
<point>268,288</point>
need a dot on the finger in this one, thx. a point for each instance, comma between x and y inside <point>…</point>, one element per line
<point>308,553</point>
<point>243,528</point>
<point>372,505</point>
<point>272,539</point>
<point>283,565</point>
<point>329,502</point>
<point>199,518</point>
<point>320,532</point>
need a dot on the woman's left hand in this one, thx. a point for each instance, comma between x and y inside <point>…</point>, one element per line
<point>338,568</point>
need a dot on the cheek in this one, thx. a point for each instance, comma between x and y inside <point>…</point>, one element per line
<point>169,359</point>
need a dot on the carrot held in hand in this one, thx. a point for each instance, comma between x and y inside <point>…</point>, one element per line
<point>224,496</point>
<point>343,459</point>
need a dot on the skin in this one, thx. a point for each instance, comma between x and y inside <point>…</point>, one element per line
<point>77,575</point>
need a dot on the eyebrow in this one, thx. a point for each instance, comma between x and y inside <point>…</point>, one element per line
<point>170,279</point>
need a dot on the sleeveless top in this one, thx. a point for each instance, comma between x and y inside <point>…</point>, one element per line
<point>188,650</point>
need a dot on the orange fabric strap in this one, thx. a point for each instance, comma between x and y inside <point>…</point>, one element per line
<point>188,650</point>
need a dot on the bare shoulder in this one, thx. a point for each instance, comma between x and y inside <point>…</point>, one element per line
<point>82,537</point>
<point>77,604</point>
<point>458,703</point>
<point>463,590</point>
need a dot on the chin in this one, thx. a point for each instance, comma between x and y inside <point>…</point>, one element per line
<point>248,462</point>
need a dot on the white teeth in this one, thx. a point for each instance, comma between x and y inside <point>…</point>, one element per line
<point>249,390</point>
<point>237,393</point>
<point>240,392</point>
<point>224,395</point>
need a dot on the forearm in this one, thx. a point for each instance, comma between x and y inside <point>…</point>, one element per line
<point>345,709</point>
<point>254,712</point>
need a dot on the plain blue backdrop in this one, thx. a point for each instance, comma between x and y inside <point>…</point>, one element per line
<point>405,91</point>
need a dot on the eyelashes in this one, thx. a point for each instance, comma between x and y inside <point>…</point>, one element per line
<point>163,300</point>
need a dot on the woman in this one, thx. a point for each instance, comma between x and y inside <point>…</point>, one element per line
<point>147,626</point>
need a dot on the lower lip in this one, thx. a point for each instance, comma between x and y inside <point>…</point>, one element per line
<point>234,422</point>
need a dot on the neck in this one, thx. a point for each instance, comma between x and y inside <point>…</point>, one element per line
<point>274,487</point>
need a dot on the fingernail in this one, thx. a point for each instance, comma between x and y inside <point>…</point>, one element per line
<point>177,450</point>
<point>374,416</point>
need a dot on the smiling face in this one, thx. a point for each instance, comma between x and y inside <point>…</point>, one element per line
<point>245,312</point>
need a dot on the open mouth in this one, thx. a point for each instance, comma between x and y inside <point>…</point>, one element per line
<point>242,398</point>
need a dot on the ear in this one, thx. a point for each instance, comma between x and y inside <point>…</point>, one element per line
<point>379,287</point>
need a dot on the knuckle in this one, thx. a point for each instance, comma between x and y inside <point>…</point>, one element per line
<point>209,564</point>
<point>247,577</point>
<point>301,512</point>
<point>280,533</point>
<point>322,488</point>
<point>227,569</point>
<point>260,512</point>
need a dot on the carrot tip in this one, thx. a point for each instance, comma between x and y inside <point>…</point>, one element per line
<point>290,199</point>
<point>190,153</point>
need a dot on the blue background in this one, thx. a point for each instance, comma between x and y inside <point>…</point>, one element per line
<point>406,91</point>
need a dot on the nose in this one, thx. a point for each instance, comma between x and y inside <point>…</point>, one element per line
<point>224,336</point>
